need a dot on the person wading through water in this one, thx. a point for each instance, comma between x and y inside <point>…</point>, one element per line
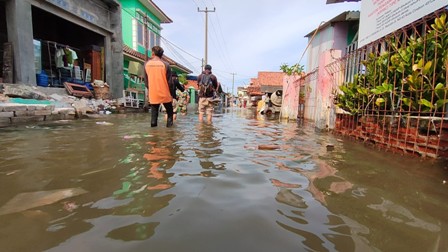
<point>160,87</point>
<point>208,89</point>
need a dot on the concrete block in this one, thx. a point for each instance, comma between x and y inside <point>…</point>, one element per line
<point>23,113</point>
<point>39,107</point>
<point>5,121</point>
<point>27,119</point>
<point>6,114</point>
<point>49,107</point>
<point>54,117</point>
<point>31,107</point>
<point>11,108</point>
<point>69,116</point>
<point>65,111</point>
<point>42,112</point>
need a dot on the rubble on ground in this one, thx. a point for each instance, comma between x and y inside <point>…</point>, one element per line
<point>23,103</point>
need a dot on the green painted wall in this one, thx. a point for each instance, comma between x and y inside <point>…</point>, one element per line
<point>129,12</point>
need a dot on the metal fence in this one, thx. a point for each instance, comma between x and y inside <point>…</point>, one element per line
<point>393,92</point>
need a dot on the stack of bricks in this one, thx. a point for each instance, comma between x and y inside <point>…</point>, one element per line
<point>14,114</point>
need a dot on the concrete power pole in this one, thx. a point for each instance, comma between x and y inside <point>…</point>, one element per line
<point>233,82</point>
<point>206,30</point>
<point>145,18</point>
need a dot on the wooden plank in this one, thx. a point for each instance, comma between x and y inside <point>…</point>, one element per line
<point>77,90</point>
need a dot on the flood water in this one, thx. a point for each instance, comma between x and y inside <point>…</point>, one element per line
<point>244,183</point>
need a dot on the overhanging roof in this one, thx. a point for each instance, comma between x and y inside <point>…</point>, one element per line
<point>345,16</point>
<point>340,1</point>
<point>111,3</point>
<point>156,11</point>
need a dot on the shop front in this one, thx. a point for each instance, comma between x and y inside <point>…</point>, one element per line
<point>65,41</point>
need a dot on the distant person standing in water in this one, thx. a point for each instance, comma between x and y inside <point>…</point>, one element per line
<point>208,88</point>
<point>160,87</point>
<point>179,87</point>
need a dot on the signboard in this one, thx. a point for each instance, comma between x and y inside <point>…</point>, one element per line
<point>75,8</point>
<point>381,17</point>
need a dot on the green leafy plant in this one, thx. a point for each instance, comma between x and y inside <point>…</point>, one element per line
<point>414,74</point>
<point>182,78</point>
<point>295,69</point>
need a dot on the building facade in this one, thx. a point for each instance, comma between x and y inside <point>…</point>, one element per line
<point>141,24</point>
<point>328,43</point>
<point>66,40</point>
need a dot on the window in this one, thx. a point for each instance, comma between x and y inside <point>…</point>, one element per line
<point>140,29</point>
<point>140,35</point>
<point>153,31</point>
<point>154,38</point>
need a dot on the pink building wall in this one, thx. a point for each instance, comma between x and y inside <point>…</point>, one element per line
<point>328,46</point>
<point>290,99</point>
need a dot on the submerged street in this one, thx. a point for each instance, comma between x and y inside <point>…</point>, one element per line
<point>244,183</point>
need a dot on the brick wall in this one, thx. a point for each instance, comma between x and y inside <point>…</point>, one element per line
<point>13,114</point>
<point>421,136</point>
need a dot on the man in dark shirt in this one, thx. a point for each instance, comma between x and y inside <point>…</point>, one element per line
<point>208,87</point>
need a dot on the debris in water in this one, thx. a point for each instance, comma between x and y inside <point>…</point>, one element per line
<point>25,201</point>
<point>104,123</point>
<point>12,172</point>
<point>131,136</point>
<point>268,147</point>
<point>70,206</point>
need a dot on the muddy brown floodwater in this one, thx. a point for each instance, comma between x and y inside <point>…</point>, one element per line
<point>244,183</point>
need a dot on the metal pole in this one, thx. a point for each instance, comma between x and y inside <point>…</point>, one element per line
<point>146,36</point>
<point>206,31</point>
<point>233,82</point>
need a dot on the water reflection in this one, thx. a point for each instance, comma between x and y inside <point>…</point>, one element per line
<point>240,184</point>
<point>208,147</point>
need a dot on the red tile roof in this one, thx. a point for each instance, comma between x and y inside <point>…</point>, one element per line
<point>191,83</point>
<point>265,79</point>
<point>271,78</point>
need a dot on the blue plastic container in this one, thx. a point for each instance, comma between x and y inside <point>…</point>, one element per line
<point>42,79</point>
<point>88,85</point>
<point>76,81</point>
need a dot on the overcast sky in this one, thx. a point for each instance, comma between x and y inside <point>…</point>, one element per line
<point>244,36</point>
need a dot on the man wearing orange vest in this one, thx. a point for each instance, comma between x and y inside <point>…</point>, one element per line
<point>159,84</point>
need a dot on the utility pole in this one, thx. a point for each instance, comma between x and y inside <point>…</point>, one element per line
<point>206,29</point>
<point>233,82</point>
<point>145,34</point>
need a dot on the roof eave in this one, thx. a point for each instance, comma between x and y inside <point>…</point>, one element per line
<point>164,19</point>
<point>344,16</point>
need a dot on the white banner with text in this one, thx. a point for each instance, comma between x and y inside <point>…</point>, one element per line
<point>381,17</point>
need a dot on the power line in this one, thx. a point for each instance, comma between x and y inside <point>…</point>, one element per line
<point>179,48</point>
<point>179,56</point>
<point>220,47</point>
